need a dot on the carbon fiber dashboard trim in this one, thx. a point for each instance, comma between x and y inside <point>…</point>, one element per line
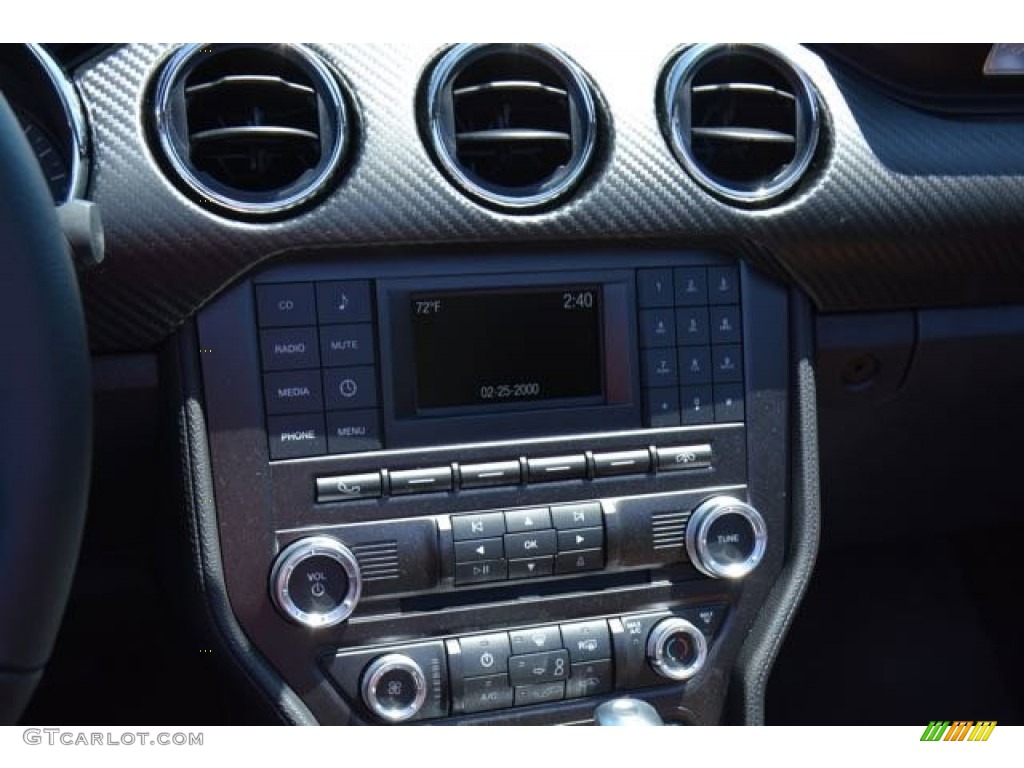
<point>901,208</point>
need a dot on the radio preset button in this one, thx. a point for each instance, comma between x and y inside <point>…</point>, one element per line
<point>589,678</point>
<point>654,287</point>
<point>344,345</point>
<point>622,463</point>
<point>724,285</point>
<point>727,363</point>
<point>482,694</point>
<point>525,520</point>
<point>284,349</point>
<point>343,302</point>
<point>531,568</point>
<point>587,640</point>
<point>292,392</point>
<point>671,458</point>
<point>346,487</point>
<point>347,388</point>
<point>697,405</point>
<point>659,367</point>
<point>580,538</point>
<point>490,474</point>
<point>657,328</point>
<point>481,572</point>
<point>692,325</point>
<point>552,468</point>
<point>544,667</point>
<point>482,526</point>
<point>539,694</point>
<point>293,437</point>
<point>577,562</point>
<point>585,515</point>
<point>694,365</point>
<point>535,640</point>
<point>525,545</point>
<point>353,431</point>
<point>478,549</point>
<point>485,654</point>
<point>283,304</point>
<point>428,480</point>
<point>691,286</point>
<point>725,325</point>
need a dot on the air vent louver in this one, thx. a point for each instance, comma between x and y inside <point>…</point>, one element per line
<point>741,119</point>
<point>513,125</point>
<point>255,129</point>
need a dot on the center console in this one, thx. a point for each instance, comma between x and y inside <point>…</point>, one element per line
<point>458,488</point>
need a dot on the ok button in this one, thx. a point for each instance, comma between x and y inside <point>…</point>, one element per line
<point>532,544</point>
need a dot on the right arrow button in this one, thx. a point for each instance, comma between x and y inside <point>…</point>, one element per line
<point>580,538</point>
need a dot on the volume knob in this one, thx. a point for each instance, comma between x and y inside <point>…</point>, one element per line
<point>315,582</point>
<point>726,538</point>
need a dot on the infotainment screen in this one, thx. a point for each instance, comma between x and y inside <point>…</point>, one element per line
<point>506,346</point>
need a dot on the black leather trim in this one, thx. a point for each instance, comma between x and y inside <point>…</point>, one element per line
<point>747,695</point>
<point>45,418</point>
<point>197,513</point>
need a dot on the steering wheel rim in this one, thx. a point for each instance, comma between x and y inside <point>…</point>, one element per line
<point>45,420</point>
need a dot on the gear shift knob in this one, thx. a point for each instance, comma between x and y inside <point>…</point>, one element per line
<point>627,712</point>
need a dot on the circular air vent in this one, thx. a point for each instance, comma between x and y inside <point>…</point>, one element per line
<point>513,125</point>
<point>254,129</point>
<point>742,119</point>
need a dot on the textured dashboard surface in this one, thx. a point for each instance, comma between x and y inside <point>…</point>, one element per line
<point>901,209</point>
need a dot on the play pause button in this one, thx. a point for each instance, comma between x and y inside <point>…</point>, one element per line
<point>531,567</point>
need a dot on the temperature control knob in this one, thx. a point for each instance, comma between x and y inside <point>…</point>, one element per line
<point>726,538</point>
<point>315,582</point>
<point>394,687</point>
<point>676,649</point>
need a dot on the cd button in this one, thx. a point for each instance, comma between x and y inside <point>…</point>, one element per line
<point>527,520</point>
<point>525,545</point>
<point>586,515</point>
<point>482,526</point>
<point>554,468</point>
<point>531,568</point>
<point>283,304</point>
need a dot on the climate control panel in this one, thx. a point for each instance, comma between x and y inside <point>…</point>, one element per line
<point>513,668</point>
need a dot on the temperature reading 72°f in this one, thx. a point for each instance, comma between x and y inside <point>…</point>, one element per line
<point>428,306</point>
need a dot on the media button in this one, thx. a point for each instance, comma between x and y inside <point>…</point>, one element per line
<point>283,349</point>
<point>531,568</point>
<point>292,392</point>
<point>343,345</point>
<point>525,520</point>
<point>347,388</point>
<point>485,654</point>
<point>482,526</point>
<point>526,545</point>
<point>282,304</point>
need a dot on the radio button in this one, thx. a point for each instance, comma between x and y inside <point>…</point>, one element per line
<point>483,526</point>
<point>698,405</point>
<point>622,463</point>
<point>661,407</point>
<point>293,437</point>
<point>589,678</point>
<point>353,431</point>
<point>491,474</point>
<point>654,287</point>
<point>347,388</point>
<point>429,480</point>
<point>292,392</point>
<point>657,328</point>
<point>527,520</point>
<point>531,568</point>
<point>342,345</point>
<point>545,667</point>
<point>587,640</point>
<point>283,349</point>
<point>285,304</point>
<point>526,545</point>
<point>536,640</point>
<point>481,572</point>
<point>485,654</point>
<point>676,457</point>
<point>580,538</point>
<point>691,286</point>
<point>345,487</point>
<point>552,468</point>
<point>586,515</point>
<point>478,549</point>
<point>539,694</point>
<point>659,367</point>
<point>482,694</point>
<point>577,562</point>
<point>343,302</point>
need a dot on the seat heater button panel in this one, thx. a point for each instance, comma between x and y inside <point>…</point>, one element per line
<point>285,304</point>
<point>284,349</point>
<point>347,487</point>
<point>485,654</point>
<point>429,480</point>
<point>482,526</point>
<point>544,667</point>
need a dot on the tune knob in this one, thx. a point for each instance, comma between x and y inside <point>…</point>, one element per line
<point>315,582</point>
<point>676,649</point>
<point>726,538</point>
<point>394,687</point>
